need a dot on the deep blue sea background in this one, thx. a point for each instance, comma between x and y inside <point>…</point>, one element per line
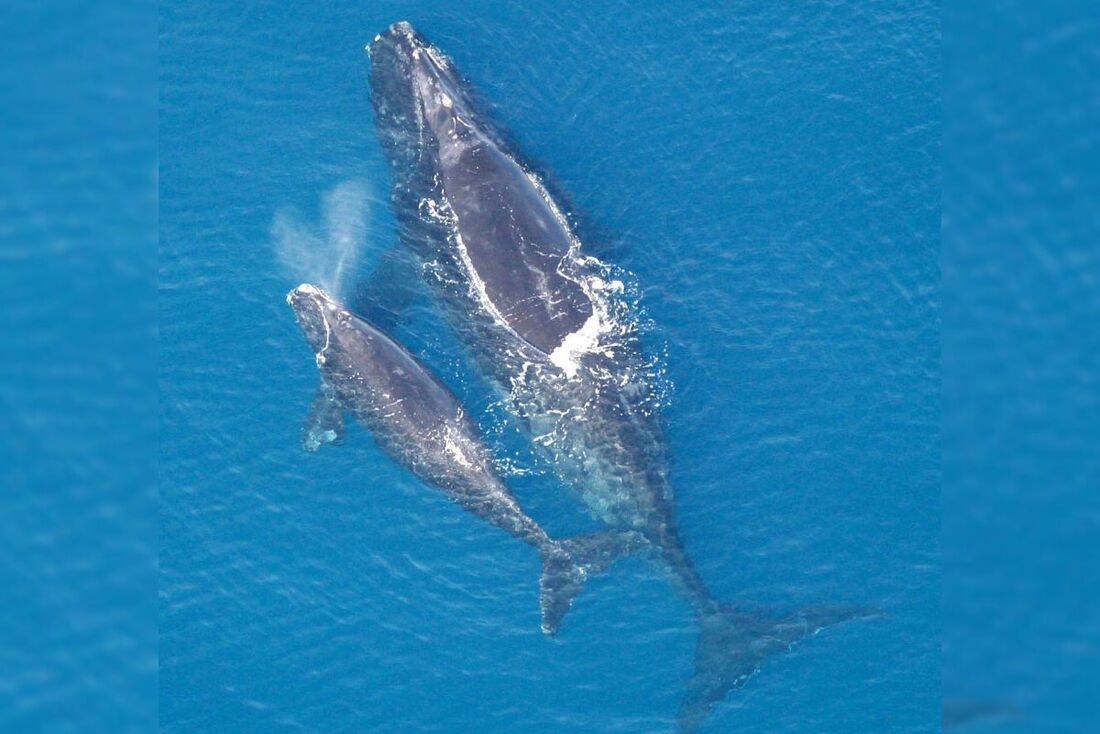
<point>769,173</point>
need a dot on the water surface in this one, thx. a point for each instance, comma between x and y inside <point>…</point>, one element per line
<point>769,176</point>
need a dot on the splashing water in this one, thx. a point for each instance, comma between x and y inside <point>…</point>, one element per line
<point>325,253</point>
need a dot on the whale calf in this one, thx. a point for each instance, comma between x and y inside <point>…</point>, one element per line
<point>418,422</point>
<point>543,321</point>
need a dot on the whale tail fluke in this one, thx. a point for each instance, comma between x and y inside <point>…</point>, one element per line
<point>733,643</point>
<point>572,561</point>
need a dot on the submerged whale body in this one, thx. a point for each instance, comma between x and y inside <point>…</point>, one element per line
<point>963,714</point>
<point>544,323</point>
<point>418,422</point>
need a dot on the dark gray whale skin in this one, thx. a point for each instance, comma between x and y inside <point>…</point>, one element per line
<point>467,206</point>
<point>503,260</point>
<point>506,229</point>
<point>419,422</point>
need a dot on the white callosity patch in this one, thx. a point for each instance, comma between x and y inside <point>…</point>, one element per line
<point>323,300</point>
<point>441,61</point>
<point>320,356</point>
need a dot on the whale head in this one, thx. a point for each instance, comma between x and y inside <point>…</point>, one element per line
<point>415,88</point>
<point>315,310</point>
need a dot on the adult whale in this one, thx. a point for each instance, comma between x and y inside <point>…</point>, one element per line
<point>420,424</point>
<point>546,324</point>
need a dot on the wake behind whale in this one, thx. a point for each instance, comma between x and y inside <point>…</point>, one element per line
<point>548,325</point>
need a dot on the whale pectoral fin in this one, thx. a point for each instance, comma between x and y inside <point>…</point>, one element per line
<point>325,422</point>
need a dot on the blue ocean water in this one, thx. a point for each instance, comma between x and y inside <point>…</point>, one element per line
<point>768,174</point>
<point>1022,366</point>
<point>78,368</point>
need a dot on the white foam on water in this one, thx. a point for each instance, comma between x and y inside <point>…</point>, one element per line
<point>568,354</point>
